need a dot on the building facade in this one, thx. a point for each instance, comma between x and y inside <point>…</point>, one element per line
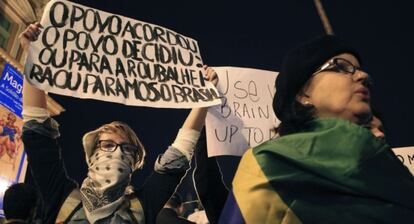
<point>15,16</point>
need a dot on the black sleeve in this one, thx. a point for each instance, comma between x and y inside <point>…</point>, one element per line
<point>168,216</point>
<point>48,171</point>
<point>208,182</point>
<point>156,191</point>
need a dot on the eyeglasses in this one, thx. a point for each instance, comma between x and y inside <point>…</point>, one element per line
<point>338,65</point>
<point>110,146</point>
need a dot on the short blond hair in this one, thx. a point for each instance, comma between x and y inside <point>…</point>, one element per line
<point>119,128</point>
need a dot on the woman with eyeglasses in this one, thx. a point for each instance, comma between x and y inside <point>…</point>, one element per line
<point>326,166</point>
<point>113,152</point>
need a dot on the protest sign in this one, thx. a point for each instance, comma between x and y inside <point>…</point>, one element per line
<point>406,156</point>
<point>245,117</point>
<point>87,53</point>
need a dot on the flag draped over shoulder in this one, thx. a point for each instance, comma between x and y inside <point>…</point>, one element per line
<point>334,172</point>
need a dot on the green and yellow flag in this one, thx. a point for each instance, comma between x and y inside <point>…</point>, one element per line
<point>334,172</point>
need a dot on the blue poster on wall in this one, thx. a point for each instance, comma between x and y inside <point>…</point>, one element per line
<point>13,162</point>
<point>11,87</point>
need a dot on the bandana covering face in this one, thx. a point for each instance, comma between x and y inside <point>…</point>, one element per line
<point>103,189</point>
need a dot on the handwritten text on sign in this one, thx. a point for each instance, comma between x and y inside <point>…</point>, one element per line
<point>406,156</point>
<point>88,53</point>
<point>245,118</point>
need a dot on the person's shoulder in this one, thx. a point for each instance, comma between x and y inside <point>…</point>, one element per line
<point>284,147</point>
<point>275,145</point>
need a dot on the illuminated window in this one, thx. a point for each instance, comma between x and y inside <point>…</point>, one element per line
<point>5,28</point>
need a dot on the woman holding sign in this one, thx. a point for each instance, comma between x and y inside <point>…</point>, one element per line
<point>113,151</point>
<point>326,167</point>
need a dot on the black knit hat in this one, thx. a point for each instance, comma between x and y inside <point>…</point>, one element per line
<point>19,201</point>
<point>298,66</point>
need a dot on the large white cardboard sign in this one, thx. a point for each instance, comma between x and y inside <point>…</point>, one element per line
<point>245,117</point>
<point>406,156</point>
<point>87,53</point>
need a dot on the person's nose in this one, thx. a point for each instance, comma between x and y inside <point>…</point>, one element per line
<point>378,133</point>
<point>363,77</point>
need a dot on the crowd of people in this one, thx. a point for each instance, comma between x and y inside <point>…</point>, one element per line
<point>330,163</point>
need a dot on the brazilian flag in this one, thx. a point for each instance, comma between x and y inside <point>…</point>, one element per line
<point>332,172</point>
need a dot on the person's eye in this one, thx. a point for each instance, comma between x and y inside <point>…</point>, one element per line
<point>107,144</point>
<point>343,66</point>
<point>129,148</point>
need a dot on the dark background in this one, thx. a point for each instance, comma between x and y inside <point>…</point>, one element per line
<point>255,34</point>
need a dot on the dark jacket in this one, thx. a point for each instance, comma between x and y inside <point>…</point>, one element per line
<point>210,188</point>
<point>49,173</point>
<point>169,216</point>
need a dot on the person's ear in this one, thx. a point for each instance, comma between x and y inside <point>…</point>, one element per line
<point>303,96</point>
<point>303,99</point>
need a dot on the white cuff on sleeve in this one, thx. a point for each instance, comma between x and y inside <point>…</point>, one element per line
<point>185,141</point>
<point>35,113</point>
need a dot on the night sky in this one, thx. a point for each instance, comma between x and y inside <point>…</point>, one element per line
<point>256,34</point>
